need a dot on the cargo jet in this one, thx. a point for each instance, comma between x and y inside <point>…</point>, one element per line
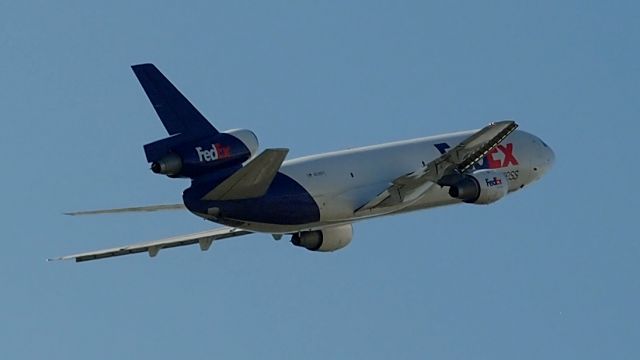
<point>316,199</point>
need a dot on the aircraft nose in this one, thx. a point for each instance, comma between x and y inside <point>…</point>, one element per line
<point>551,156</point>
<point>546,158</point>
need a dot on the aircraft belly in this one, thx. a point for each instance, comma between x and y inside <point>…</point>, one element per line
<point>285,203</point>
<point>341,206</point>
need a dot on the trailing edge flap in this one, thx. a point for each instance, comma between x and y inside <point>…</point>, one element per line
<point>410,187</point>
<point>252,180</point>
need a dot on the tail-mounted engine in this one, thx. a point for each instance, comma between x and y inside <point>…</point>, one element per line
<point>480,187</point>
<point>328,239</point>
<point>183,156</point>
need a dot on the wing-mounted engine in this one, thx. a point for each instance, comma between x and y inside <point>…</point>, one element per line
<point>447,170</point>
<point>328,239</point>
<point>480,187</point>
<point>183,156</point>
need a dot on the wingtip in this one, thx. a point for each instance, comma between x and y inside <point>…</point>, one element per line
<point>501,122</point>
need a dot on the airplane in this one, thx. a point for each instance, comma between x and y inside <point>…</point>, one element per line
<point>315,199</point>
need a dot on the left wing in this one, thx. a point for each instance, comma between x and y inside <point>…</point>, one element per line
<point>129,209</point>
<point>410,187</point>
<point>204,238</point>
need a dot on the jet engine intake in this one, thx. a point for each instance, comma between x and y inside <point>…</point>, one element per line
<point>480,187</point>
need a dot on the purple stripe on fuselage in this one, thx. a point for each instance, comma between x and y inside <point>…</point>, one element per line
<point>285,203</point>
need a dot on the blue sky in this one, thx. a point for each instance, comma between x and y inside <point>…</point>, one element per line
<point>550,272</point>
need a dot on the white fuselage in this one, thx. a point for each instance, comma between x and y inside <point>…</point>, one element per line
<point>342,181</point>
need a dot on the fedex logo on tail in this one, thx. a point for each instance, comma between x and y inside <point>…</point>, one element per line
<point>216,152</point>
<point>504,156</point>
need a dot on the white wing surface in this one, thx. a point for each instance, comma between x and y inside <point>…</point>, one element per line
<point>204,238</point>
<point>129,209</point>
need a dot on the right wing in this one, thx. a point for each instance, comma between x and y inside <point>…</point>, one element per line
<point>443,170</point>
<point>204,238</point>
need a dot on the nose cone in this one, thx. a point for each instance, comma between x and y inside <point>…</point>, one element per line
<point>551,157</point>
<point>544,160</point>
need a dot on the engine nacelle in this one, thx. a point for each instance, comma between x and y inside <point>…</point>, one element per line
<point>170,165</point>
<point>480,187</point>
<point>178,156</point>
<point>328,239</point>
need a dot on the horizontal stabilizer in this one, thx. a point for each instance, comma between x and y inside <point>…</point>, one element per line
<point>129,210</point>
<point>177,114</point>
<point>252,180</point>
